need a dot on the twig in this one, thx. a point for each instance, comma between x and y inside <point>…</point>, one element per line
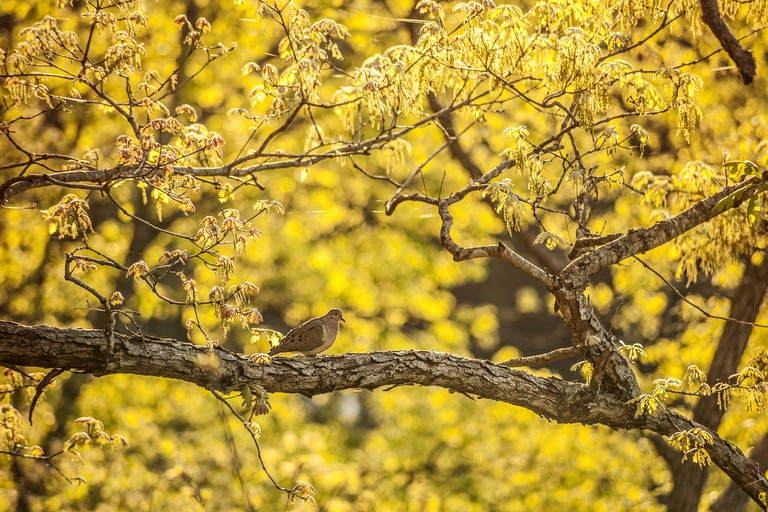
<point>236,464</point>
<point>255,441</point>
<point>694,305</point>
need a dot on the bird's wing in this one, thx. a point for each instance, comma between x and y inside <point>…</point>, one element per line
<point>302,338</point>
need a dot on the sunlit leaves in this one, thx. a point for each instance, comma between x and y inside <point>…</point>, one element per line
<point>231,222</point>
<point>684,89</point>
<point>739,168</point>
<point>608,139</point>
<point>304,491</point>
<point>193,33</point>
<point>550,240</point>
<point>191,294</point>
<point>642,137</point>
<point>225,268</point>
<point>617,40</point>
<point>187,110</point>
<point>270,336</point>
<point>93,435</point>
<point>748,376</point>
<point>10,427</point>
<point>137,270</point>
<point>585,107</point>
<point>693,444</point>
<point>398,156</point>
<point>270,75</point>
<point>507,203</point>
<point>647,404</point>
<point>585,368</point>
<point>254,428</point>
<point>125,54</point>
<point>749,384</point>
<point>630,12</point>
<point>81,266</point>
<point>518,145</point>
<point>503,65</point>
<point>432,10</point>
<point>384,86</point>
<point>68,218</point>
<point>695,380</point>
<point>644,97</point>
<point>632,352</point>
<point>116,299</point>
<point>241,295</point>
<point>42,41</point>
<point>256,401</point>
<point>577,60</point>
<point>264,206</point>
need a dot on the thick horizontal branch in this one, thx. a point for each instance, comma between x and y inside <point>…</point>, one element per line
<point>222,370</point>
<point>638,241</point>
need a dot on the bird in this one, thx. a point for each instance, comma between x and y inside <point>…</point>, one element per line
<point>312,337</point>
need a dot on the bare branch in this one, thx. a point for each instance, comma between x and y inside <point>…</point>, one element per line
<point>693,304</point>
<point>540,359</point>
<point>500,250</point>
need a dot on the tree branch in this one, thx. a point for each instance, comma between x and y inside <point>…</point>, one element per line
<point>733,499</point>
<point>575,276</point>
<point>499,250</point>
<point>222,370</point>
<point>541,359</point>
<point>745,62</point>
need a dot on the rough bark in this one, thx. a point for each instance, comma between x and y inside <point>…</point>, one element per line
<point>219,369</point>
<point>733,499</point>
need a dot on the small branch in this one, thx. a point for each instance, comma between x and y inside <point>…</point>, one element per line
<point>540,359</point>
<point>693,304</point>
<point>254,438</point>
<point>45,459</point>
<point>500,251</point>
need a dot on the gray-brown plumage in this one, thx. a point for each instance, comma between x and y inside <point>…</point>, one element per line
<point>311,337</point>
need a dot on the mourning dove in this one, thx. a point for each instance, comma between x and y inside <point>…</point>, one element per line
<point>311,337</point>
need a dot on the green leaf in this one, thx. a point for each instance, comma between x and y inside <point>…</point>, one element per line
<point>646,404</point>
<point>739,168</point>
<point>752,208</point>
<point>730,200</point>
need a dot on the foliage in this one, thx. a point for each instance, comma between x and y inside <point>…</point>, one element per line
<point>218,174</point>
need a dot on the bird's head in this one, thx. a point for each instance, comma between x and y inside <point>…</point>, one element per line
<point>335,314</point>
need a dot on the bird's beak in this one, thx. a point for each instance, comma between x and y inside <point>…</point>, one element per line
<point>342,319</point>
